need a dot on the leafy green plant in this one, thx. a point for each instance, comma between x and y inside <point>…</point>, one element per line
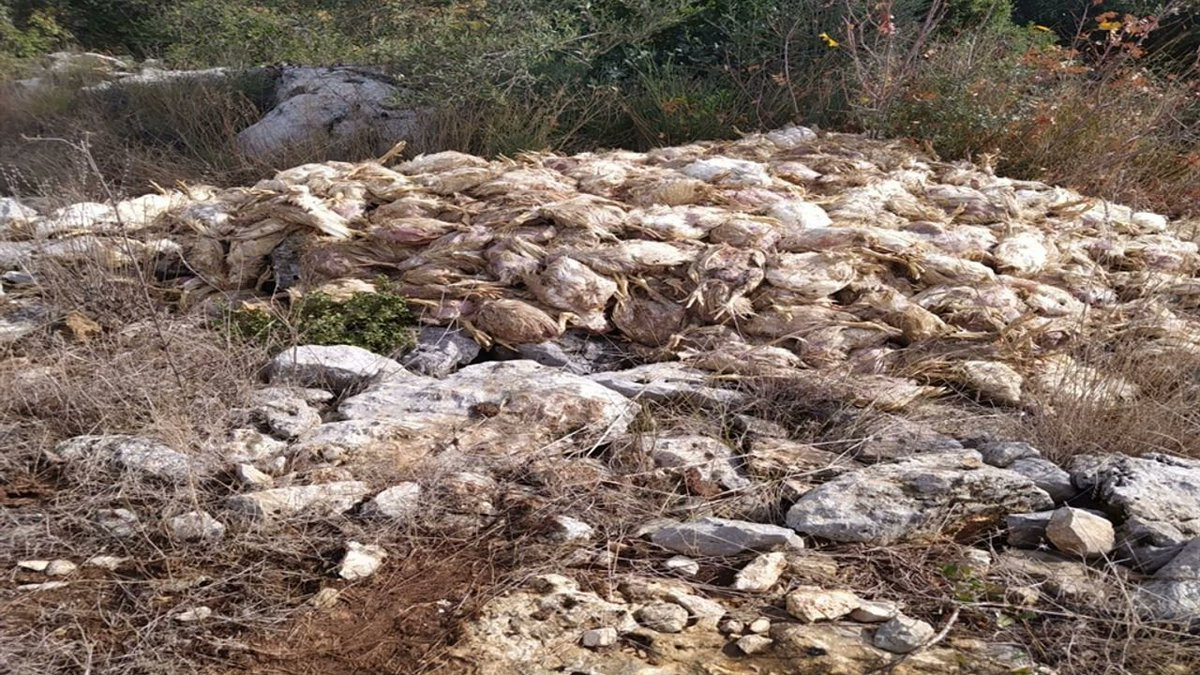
<point>378,322</point>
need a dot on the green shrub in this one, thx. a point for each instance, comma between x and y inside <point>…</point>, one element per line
<point>379,322</point>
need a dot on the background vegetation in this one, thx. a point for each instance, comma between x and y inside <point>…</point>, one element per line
<point>1101,95</point>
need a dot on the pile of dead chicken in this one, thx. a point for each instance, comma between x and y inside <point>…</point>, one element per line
<point>783,250</point>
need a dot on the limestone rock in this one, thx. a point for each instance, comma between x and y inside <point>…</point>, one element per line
<point>572,529</point>
<point>1080,533</point>
<point>1047,475</point>
<point>1156,497</point>
<point>874,612</point>
<point>1026,530</point>
<point>284,413</point>
<point>664,617</point>
<point>194,614</point>
<point>599,637</point>
<point>360,561</point>
<point>133,454</point>
<point>720,537</point>
<point>326,106</point>
<point>711,458</point>
<point>354,440</point>
<point>682,565</point>
<point>250,446</point>
<point>1173,593</point>
<point>195,526</point>
<point>247,474</point>
<point>813,603</point>
<point>323,500</point>
<point>754,644</point>
<point>399,502</point>
<point>762,573</point>
<point>336,367</point>
<point>1001,454</point>
<point>669,382</point>
<point>887,502</point>
<point>902,634</point>
<point>893,437</point>
<point>439,352</point>
<point>516,390</point>
<point>120,523</point>
<point>759,625</point>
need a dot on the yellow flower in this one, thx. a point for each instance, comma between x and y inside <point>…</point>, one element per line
<point>829,42</point>
<point>1110,26</point>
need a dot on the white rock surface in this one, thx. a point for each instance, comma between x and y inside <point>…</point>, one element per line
<point>134,454</point>
<point>360,561</point>
<point>1078,532</point>
<point>439,352</point>
<point>399,502</point>
<point>284,412</point>
<point>762,573</point>
<point>887,502</point>
<point>874,612</point>
<point>813,603</point>
<point>664,617</point>
<point>195,526</point>
<point>754,644</point>
<point>320,106</point>
<point>902,634</point>
<point>194,614</point>
<point>332,367</point>
<point>323,499</point>
<point>711,458</point>
<point>120,523</point>
<point>682,564</point>
<point>572,529</point>
<point>247,474</point>
<point>599,637</point>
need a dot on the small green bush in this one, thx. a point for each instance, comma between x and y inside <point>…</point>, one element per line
<point>378,322</point>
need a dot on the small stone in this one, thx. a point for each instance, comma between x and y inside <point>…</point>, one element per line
<point>360,561</point>
<point>1080,533</point>
<point>325,598</point>
<point>106,562</point>
<point>762,573</point>
<point>813,603</point>
<point>60,568</point>
<point>572,529</point>
<point>874,612</point>
<point>440,351</point>
<point>902,634</point>
<point>246,474</point>
<point>398,502</point>
<point>664,617</point>
<point>195,614</point>
<point>754,644</point>
<point>195,526</point>
<point>731,626</point>
<point>682,564</point>
<point>34,565</point>
<point>599,637</point>
<point>760,625</point>
<point>44,586</point>
<point>120,523</point>
<point>251,446</point>
<point>321,499</point>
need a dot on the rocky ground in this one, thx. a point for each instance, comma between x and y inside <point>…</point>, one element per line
<point>800,403</point>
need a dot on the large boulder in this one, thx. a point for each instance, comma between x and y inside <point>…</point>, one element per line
<point>1155,497</point>
<point>324,106</point>
<point>533,397</point>
<point>887,502</point>
<point>1173,593</point>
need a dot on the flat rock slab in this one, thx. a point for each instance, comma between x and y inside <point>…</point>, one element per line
<point>558,403</point>
<point>1173,593</point>
<point>888,502</point>
<point>134,454</point>
<point>325,499</point>
<point>668,383</point>
<point>720,536</point>
<point>332,367</point>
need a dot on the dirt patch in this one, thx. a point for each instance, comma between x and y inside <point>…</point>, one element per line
<point>402,621</point>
